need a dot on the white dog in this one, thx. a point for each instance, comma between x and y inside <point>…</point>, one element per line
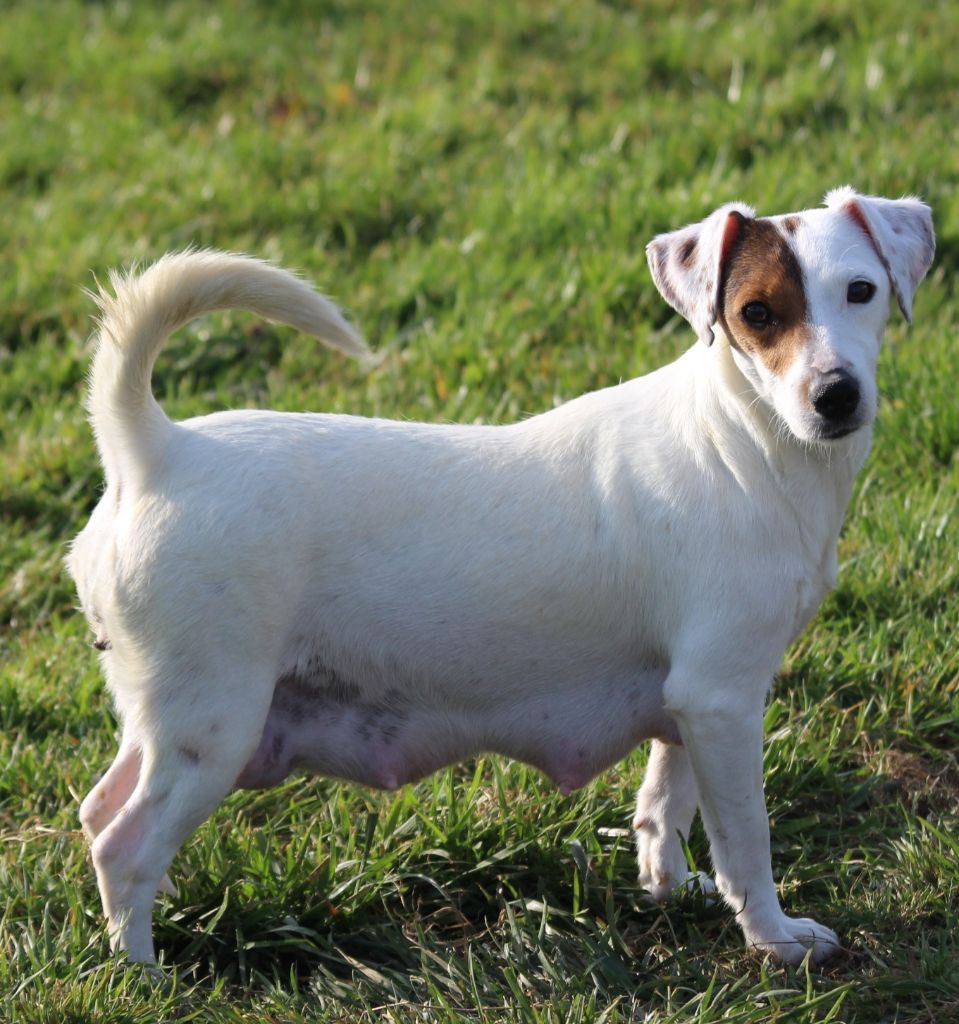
<point>372,599</point>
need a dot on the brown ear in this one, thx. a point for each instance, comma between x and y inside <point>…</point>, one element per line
<point>687,265</point>
<point>900,231</point>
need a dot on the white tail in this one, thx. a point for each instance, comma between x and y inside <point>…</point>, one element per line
<point>130,427</point>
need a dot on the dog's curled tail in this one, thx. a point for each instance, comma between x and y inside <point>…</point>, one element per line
<point>146,307</point>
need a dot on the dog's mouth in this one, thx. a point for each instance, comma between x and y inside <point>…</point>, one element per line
<point>818,430</point>
<point>837,431</point>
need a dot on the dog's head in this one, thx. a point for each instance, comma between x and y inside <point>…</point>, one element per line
<point>803,298</point>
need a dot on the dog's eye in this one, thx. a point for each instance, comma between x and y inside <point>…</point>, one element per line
<point>757,314</point>
<point>860,291</point>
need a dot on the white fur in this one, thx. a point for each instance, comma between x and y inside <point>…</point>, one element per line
<point>374,599</point>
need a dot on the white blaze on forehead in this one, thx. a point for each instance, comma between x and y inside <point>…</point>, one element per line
<point>835,251</point>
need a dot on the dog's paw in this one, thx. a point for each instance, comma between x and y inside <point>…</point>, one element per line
<point>697,882</point>
<point>791,938</point>
<point>663,871</point>
<point>671,886</point>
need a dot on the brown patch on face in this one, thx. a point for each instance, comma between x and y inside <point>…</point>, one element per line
<point>762,268</point>
<point>790,225</point>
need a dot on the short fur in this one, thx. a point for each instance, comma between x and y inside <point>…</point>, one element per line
<point>374,599</point>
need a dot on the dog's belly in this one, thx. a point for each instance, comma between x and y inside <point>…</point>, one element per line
<point>571,734</point>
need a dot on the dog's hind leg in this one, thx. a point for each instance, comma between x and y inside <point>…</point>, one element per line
<point>102,803</point>
<point>665,807</point>
<point>190,759</point>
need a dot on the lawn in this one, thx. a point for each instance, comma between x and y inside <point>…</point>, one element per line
<point>475,183</point>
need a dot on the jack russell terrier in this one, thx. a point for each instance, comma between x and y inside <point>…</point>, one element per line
<point>372,599</point>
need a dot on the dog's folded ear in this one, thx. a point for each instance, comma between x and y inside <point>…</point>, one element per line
<point>687,265</point>
<point>900,231</point>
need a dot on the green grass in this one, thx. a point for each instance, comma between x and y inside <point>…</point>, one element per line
<point>476,183</point>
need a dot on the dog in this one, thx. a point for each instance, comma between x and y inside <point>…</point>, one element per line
<point>373,600</point>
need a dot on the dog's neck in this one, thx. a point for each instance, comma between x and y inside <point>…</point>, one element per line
<point>810,474</point>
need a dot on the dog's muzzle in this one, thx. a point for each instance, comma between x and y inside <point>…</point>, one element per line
<point>836,398</point>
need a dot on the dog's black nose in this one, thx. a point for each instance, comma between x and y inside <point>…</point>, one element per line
<point>836,397</point>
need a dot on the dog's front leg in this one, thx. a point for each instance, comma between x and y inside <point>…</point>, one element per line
<point>724,741</point>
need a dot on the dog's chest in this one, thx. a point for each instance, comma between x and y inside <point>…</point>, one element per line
<point>326,725</point>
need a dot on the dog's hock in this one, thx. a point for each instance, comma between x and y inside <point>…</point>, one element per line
<point>900,231</point>
<point>687,265</point>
